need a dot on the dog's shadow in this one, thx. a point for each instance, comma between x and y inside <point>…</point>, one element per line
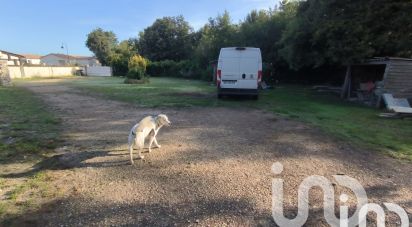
<point>72,160</point>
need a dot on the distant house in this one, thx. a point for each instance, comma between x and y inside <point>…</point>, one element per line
<point>32,59</point>
<point>87,61</point>
<point>63,59</point>
<point>12,58</point>
<point>57,59</point>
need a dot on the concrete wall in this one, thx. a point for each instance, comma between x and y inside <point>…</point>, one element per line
<point>41,71</point>
<point>98,71</point>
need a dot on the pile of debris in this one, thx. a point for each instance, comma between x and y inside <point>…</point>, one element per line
<point>5,79</point>
<point>399,107</point>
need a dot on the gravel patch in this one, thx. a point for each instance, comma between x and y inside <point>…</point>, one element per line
<point>213,169</point>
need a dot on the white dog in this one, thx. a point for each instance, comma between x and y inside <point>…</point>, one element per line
<point>148,126</point>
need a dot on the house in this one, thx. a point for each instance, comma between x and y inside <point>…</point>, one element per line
<point>57,60</point>
<point>32,59</point>
<point>11,58</point>
<point>87,61</point>
<point>63,59</point>
<point>367,81</point>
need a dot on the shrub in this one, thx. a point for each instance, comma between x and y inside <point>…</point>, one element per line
<point>137,67</point>
<point>166,68</point>
<point>180,69</point>
<point>119,65</point>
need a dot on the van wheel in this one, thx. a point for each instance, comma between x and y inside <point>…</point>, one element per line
<point>255,97</point>
<point>219,96</point>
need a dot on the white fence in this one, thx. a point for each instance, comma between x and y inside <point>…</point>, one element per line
<point>98,71</point>
<point>41,71</point>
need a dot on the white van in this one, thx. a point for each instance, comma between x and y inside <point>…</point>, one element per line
<point>239,71</point>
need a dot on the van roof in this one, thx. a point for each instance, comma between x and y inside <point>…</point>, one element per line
<point>247,48</point>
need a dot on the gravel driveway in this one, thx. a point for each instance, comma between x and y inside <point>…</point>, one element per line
<point>214,167</point>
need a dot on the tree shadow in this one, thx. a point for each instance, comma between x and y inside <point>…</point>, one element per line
<point>65,212</point>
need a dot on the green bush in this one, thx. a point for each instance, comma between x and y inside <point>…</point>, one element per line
<point>137,67</point>
<point>180,69</point>
<point>119,65</point>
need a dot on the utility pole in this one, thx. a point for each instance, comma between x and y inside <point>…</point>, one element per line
<point>64,45</point>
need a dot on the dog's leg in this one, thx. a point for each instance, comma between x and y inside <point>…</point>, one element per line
<point>131,153</point>
<point>131,144</point>
<point>140,146</point>
<point>155,141</point>
<point>152,138</point>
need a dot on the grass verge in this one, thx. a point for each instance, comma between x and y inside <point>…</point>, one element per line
<point>26,128</point>
<point>27,132</point>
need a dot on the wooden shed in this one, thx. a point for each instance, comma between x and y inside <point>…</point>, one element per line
<point>369,80</point>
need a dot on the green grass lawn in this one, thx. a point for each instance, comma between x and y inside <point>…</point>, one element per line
<point>355,123</point>
<point>26,127</point>
<point>27,132</point>
<point>159,92</point>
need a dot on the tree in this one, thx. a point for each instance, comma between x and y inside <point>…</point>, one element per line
<point>120,55</point>
<point>167,38</point>
<point>101,43</point>
<point>219,32</point>
<point>264,29</point>
<point>339,32</point>
<point>137,67</point>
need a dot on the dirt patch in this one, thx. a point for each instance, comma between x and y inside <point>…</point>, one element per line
<point>214,167</point>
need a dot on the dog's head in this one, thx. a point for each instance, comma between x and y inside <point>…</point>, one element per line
<point>163,120</point>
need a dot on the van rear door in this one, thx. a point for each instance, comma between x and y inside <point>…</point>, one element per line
<point>248,69</point>
<point>238,67</point>
<point>229,66</point>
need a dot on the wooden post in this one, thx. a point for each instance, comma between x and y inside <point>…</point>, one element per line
<point>349,84</point>
<point>346,83</point>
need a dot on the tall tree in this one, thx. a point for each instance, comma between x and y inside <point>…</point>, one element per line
<point>101,43</point>
<point>167,38</point>
<point>217,33</point>
<point>346,31</point>
<point>120,56</point>
<point>263,29</point>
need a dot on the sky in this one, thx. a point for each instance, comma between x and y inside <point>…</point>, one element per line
<point>41,26</point>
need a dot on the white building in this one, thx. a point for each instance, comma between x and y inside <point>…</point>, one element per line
<point>11,58</point>
<point>63,59</point>
<point>87,61</point>
<point>32,59</point>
